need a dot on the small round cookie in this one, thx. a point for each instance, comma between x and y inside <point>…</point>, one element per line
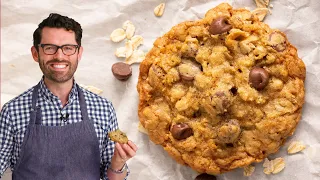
<point>221,92</point>
<point>118,136</point>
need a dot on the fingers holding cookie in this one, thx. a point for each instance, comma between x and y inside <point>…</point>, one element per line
<point>126,151</point>
<point>122,153</point>
<point>133,146</point>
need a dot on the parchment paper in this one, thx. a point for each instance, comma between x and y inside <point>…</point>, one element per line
<point>299,19</point>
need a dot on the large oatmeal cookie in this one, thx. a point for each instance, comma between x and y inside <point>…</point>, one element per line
<point>221,92</point>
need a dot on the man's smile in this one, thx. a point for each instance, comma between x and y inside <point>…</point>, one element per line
<point>58,67</point>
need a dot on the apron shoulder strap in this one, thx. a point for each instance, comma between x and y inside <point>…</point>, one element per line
<point>34,108</point>
<point>83,104</point>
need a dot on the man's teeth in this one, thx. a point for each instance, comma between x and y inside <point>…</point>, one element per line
<point>59,66</point>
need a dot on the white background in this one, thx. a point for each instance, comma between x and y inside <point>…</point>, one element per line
<point>299,19</point>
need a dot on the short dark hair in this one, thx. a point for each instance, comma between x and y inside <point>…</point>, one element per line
<point>57,21</point>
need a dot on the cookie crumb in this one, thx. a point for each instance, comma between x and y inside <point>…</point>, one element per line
<point>92,89</point>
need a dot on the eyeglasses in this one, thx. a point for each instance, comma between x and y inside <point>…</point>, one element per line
<point>67,49</point>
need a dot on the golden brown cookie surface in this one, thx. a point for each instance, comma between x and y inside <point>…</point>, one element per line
<point>118,136</point>
<point>221,92</point>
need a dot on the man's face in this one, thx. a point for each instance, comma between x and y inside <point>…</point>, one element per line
<point>58,68</point>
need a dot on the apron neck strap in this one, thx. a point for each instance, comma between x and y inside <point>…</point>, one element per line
<point>83,105</point>
<point>34,109</point>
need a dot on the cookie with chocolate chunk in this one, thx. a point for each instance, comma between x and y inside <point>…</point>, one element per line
<point>118,136</point>
<point>221,92</point>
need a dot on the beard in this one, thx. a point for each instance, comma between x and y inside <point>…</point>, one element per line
<point>58,77</point>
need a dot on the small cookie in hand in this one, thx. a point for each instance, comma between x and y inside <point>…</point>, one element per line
<point>118,136</point>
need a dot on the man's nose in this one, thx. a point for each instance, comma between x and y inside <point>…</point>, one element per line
<point>59,54</point>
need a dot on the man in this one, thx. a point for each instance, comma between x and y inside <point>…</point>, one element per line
<point>56,129</point>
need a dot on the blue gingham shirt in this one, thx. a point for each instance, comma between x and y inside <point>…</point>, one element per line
<point>15,116</point>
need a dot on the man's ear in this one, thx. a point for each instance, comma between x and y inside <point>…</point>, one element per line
<point>80,53</point>
<point>35,54</point>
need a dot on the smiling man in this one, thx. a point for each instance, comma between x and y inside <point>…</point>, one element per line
<point>56,129</point>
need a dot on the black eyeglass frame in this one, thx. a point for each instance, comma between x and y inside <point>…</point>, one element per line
<point>59,47</point>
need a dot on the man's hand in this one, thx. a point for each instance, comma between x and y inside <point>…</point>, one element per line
<point>122,153</point>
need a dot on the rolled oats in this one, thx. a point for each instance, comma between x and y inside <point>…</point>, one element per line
<point>260,13</point>
<point>278,165</point>
<point>118,35</point>
<point>136,57</point>
<point>128,49</point>
<point>248,170</point>
<point>126,24</point>
<point>136,40</point>
<point>246,46</point>
<point>120,52</point>
<point>158,11</point>
<point>273,166</point>
<point>130,29</point>
<point>262,3</point>
<point>296,146</point>
<point>190,39</point>
<point>268,166</point>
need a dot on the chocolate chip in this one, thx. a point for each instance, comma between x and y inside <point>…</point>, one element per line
<point>181,131</point>
<point>121,71</point>
<point>205,176</point>
<point>196,114</point>
<point>220,94</point>
<point>234,90</point>
<point>221,101</point>
<point>230,145</point>
<point>188,69</point>
<point>219,26</point>
<point>258,78</point>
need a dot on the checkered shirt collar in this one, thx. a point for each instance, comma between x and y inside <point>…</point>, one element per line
<point>48,95</point>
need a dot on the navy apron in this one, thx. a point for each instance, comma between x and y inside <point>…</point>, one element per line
<point>69,152</point>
